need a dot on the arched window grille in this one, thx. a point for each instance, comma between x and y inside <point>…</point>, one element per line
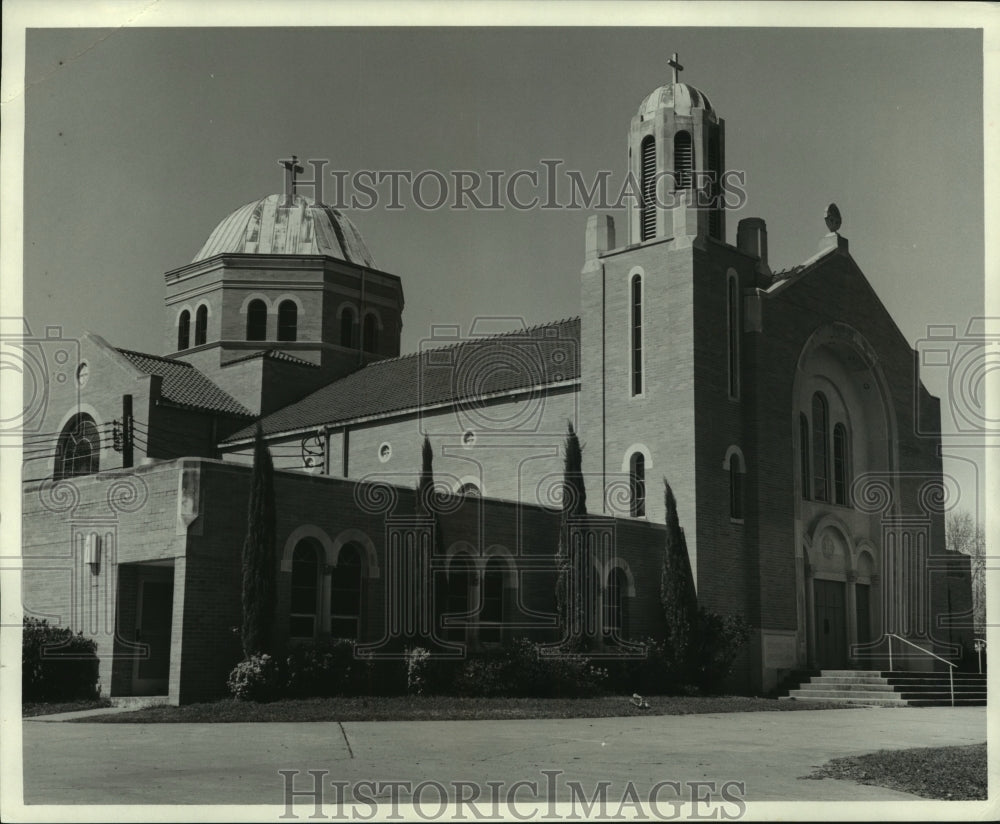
<point>820,448</point>
<point>257,320</point>
<point>184,330</point>
<point>616,606</point>
<point>636,335</point>
<point>470,490</point>
<point>346,583</point>
<point>841,473</point>
<point>733,332</point>
<point>491,616</point>
<point>305,590</point>
<point>647,212</point>
<point>347,328</point>
<point>371,333</point>
<point>78,450</point>
<point>288,320</point>
<point>804,477</point>
<point>736,474</point>
<point>714,189</point>
<point>201,325</point>
<point>683,161</point>
<point>637,484</point>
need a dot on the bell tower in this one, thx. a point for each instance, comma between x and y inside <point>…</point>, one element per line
<point>676,147</point>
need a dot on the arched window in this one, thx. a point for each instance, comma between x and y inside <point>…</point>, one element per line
<point>491,616</point>
<point>637,335</point>
<point>820,450</point>
<point>683,161</point>
<point>346,582</point>
<point>305,594</point>
<point>201,325</point>
<point>647,212</point>
<point>470,490</point>
<point>616,606</point>
<point>714,189</point>
<point>370,333</point>
<point>736,473</point>
<point>347,328</point>
<point>288,320</point>
<point>804,454</point>
<point>637,484</point>
<point>184,330</point>
<point>461,574</point>
<point>841,475</point>
<point>733,331</point>
<point>78,450</point>
<point>257,320</point>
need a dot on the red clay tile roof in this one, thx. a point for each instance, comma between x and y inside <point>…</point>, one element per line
<point>541,355</point>
<point>185,385</point>
<point>273,354</point>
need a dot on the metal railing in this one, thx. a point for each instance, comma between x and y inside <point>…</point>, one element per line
<point>951,671</point>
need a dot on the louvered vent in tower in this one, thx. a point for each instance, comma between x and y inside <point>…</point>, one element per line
<point>648,210</point>
<point>683,161</point>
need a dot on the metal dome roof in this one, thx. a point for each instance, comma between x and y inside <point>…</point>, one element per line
<point>267,227</point>
<point>680,97</point>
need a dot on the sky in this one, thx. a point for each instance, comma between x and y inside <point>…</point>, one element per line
<point>138,141</point>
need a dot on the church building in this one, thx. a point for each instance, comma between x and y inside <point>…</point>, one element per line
<point>780,405</point>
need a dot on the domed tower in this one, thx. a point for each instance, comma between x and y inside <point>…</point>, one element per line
<point>282,297</point>
<point>676,147</point>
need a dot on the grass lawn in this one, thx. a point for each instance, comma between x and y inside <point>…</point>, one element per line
<point>950,773</point>
<point>33,708</point>
<point>441,708</point>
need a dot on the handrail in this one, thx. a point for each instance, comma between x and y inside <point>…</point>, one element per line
<point>951,675</point>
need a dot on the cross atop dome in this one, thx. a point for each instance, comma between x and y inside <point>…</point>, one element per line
<point>292,170</point>
<point>677,67</point>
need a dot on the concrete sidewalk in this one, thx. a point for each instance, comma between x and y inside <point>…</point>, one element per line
<point>772,752</point>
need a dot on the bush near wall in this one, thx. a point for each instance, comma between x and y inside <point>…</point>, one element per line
<point>56,664</point>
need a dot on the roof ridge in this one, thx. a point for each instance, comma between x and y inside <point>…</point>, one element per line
<point>475,340</point>
<point>154,357</point>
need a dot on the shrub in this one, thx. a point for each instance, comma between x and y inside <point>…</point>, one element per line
<point>654,674</point>
<point>255,679</point>
<point>56,664</point>
<point>720,640</point>
<point>324,668</point>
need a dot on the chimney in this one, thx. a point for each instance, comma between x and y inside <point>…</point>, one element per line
<point>600,235</point>
<point>751,238</point>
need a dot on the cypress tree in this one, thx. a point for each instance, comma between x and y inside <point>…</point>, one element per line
<point>572,569</point>
<point>677,592</point>
<point>259,565</point>
<point>425,486</point>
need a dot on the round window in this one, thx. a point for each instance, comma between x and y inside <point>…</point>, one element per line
<point>469,438</point>
<point>384,452</point>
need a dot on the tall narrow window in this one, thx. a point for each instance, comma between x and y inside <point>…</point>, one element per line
<point>304,602</point>
<point>615,606</point>
<point>840,470</point>
<point>820,450</point>
<point>201,325</point>
<point>371,333</point>
<point>347,328</point>
<point>257,320</point>
<point>637,484</point>
<point>491,617</point>
<point>288,320</point>
<point>78,450</point>
<point>460,576</point>
<point>345,593</point>
<point>683,161</point>
<point>637,335</point>
<point>735,487</point>
<point>184,330</point>
<point>647,212</point>
<point>804,454</point>
<point>733,330</point>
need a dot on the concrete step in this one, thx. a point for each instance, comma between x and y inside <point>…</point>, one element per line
<point>842,679</point>
<point>876,702</point>
<point>859,695</point>
<point>820,684</point>
<point>959,702</point>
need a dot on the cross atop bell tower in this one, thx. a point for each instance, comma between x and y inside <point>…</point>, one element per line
<point>677,67</point>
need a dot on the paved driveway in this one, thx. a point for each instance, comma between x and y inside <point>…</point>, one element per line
<point>768,752</point>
